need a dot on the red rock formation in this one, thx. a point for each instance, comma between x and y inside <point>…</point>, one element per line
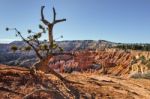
<point>116,63</point>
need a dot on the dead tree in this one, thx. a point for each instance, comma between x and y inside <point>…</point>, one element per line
<point>50,25</point>
<point>43,50</point>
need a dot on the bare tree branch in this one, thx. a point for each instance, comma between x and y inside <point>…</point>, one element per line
<point>36,51</point>
<point>42,17</point>
<point>58,21</point>
<point>54,13</point>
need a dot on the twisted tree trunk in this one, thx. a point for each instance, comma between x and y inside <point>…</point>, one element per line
<point>43,65</point>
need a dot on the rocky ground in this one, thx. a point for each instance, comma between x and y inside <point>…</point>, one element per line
<point>19,83</point>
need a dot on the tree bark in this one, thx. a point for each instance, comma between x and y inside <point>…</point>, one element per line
<point>50,25</point>
<point>50,35</point>
<point>42,65</point>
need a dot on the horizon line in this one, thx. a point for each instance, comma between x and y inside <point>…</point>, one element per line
<point>7,41</point>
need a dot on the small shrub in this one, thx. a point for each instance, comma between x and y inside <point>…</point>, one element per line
<point>14,48</point>
<point>143,59</point>
<point>148,64</point>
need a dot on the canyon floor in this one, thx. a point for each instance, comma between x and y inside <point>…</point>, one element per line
<point>19,83</point>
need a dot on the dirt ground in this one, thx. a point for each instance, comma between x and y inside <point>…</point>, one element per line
<point>19,83</point>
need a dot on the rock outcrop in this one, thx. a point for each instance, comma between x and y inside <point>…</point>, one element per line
<point>116,63</point>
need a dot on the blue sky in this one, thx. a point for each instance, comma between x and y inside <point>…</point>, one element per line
<point>113,20</point>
